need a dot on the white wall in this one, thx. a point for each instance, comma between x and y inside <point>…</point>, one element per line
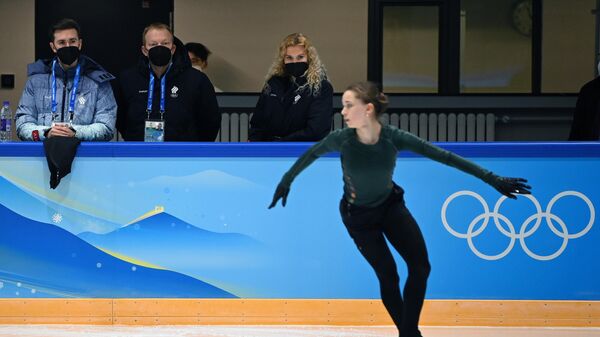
<point>244,35</point>
<point>17,40</point>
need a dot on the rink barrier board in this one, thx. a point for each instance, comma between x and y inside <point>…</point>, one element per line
<point>294,311</point>
<point>551,313</point>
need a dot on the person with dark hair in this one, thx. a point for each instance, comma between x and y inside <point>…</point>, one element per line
<point>296,103</point>
<point>68,95</point>
<point>372,207</point>
<point>199,54</point>
<point>164,88</point>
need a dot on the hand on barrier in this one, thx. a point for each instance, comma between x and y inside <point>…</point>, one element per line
<point>511,186</point>
<point>281,192</point>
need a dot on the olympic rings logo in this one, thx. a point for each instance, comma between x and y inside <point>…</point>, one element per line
<point>524,232</point>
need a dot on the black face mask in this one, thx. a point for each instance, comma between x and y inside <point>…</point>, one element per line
<point>68,55</point>
<point>159,56</point>
<point>296,69</point>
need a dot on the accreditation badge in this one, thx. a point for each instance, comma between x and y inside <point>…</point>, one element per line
<point>154,131</point>
<point>60,124</point>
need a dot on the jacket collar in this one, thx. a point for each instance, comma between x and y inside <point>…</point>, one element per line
<point>90,68</point>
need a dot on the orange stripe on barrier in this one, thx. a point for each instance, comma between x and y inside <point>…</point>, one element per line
<point>295,311</point>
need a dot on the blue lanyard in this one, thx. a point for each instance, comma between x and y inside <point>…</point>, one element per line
<point>73,90</point>
<point>162,92</point>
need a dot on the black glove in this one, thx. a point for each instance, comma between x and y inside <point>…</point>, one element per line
<point>511,186</point>
<point>281,192</point>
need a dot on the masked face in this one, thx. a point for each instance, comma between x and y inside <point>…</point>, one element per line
<point>67,45</point>
<point>159,56</point>
<point>158,46</point>
<point>68,55</point>
<point>296,69</point>
<point>295,61</point>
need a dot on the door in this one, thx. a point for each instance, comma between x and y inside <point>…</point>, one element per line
<point>111,29</point>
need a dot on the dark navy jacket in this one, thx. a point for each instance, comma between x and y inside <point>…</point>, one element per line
<point>191,110</point>
<point>285,114</point>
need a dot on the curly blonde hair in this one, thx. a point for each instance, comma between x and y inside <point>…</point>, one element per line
<point>316,70</point>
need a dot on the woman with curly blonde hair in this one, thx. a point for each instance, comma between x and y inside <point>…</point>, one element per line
<point>296,103</point>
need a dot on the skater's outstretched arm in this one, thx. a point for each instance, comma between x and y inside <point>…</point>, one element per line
<point>507,186</point>
<point>331,143</point>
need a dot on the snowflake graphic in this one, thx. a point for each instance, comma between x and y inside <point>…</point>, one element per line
<point>57,218</point>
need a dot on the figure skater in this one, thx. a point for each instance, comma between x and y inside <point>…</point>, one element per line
<point>372,207</point>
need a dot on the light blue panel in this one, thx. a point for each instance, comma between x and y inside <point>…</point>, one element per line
<point>209,233</point>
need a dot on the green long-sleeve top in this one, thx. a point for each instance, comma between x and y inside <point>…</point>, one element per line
<point>368,169</point>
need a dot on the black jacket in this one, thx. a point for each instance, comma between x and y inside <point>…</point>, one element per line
<point>586,120</point>
<point>191,110</point>
<point>283,114</point>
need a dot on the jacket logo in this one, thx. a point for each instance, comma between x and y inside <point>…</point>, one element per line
<point>297,98</point>
<point>81,100</point>
<point>142,91</point>
<point>174,91</point>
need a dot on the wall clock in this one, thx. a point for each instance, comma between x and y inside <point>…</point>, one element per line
<point>522,17</point>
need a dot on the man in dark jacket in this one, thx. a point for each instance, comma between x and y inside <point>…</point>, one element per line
<point>586,120</point>
<point>163,93</point>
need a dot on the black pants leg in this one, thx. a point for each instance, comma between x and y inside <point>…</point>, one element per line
<point>402,231</point>
<point>369,227</point>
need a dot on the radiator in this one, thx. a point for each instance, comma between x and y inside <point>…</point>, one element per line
<point>234,127</point>
<point>434,127</point>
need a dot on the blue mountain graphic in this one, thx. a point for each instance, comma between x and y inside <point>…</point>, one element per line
<point>170,242</point>
<point>43,210</point>
<point>41,256</point>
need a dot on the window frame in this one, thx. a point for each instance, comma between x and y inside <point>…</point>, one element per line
<point>449,46</point>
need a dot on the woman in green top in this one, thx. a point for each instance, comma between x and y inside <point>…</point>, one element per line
<point>373,208</point>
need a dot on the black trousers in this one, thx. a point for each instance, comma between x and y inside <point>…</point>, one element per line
<point>369,227</point>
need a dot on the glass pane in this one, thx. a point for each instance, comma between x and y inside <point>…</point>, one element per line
<point>495,46</point>
<point>410,49</point>
<point>567,45</point>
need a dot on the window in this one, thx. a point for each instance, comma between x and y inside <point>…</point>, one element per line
<point>568,44</point>
<point>496,46</point>
<point>488,47</point>
<point>410,49</point>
